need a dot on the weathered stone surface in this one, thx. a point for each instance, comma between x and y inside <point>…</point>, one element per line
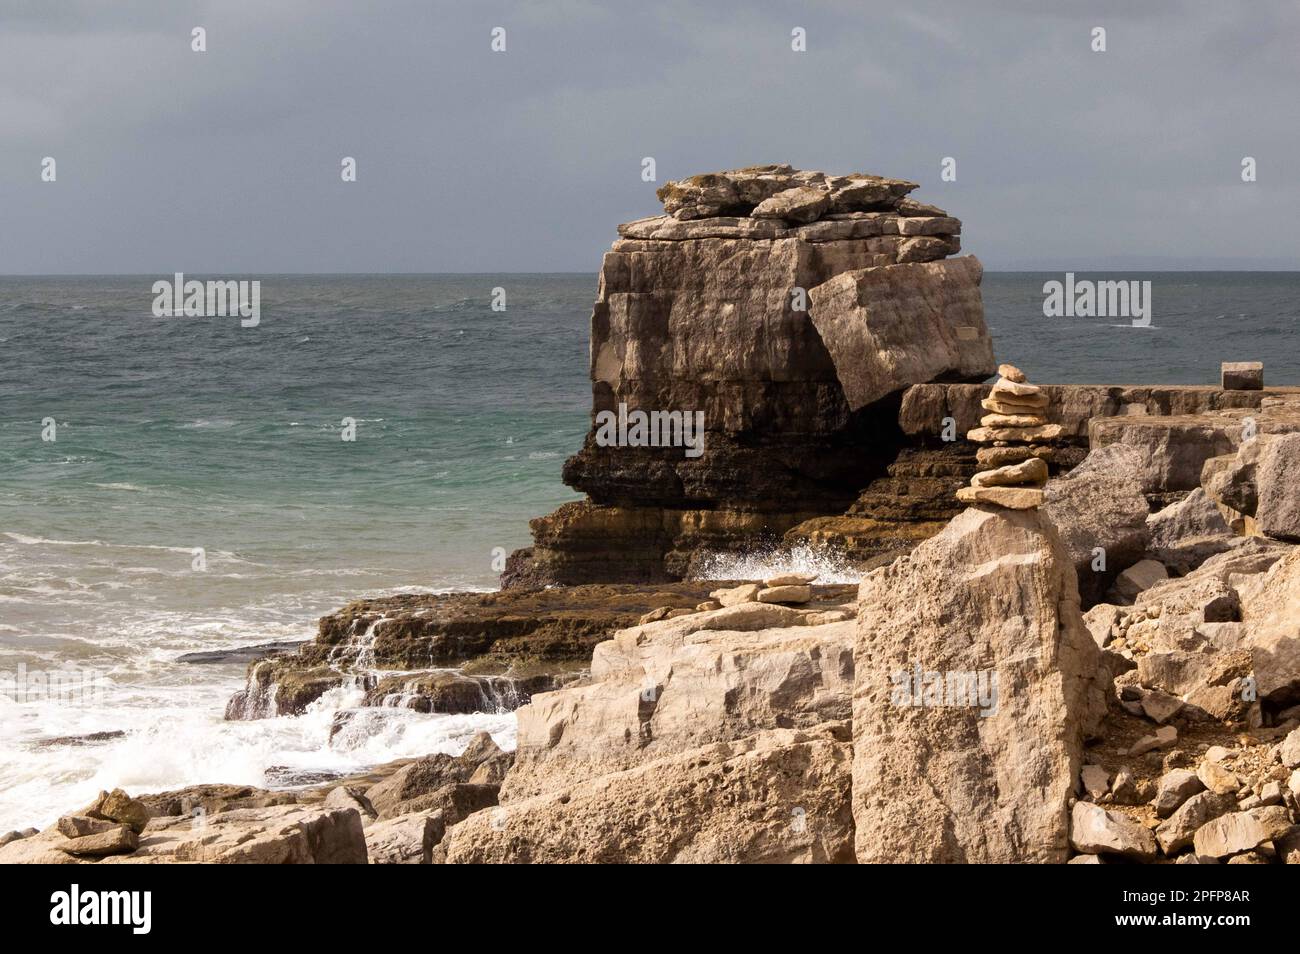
<point>1012,454</point>
<point>405,840</point>
<point>1278,513</point>
<point>1030,471</point>
<point>1242,375</point>
<point>118,806</point>
<point>1100,503</point>
<point>1272,636</point>
<point>1216,778</point>
<point>994,591</point>
<point>1289,750</point>
<point>351,796</point>
<point>116,840</point>
<point>1093,830</point>
<point>1011,498</point>
<point>440,781</point>
<point>286,834</point>
<point>1176,786</point>
<point>1040,432</point>
<point>668,687</point>
<point>1229,834</point>
<point>795,593</point>
<point>739,191</point>
<point>1095,780</point>
<point>200,800</point>
<point>800,204</point>
<point>779,796</point>
<point>1075,406</point>
<point>888,328</point>
<point>78,826</point>
<point>1192,518</point>
<point>1137,579</point>
<point>1177,831</point>
<point>730,596</point>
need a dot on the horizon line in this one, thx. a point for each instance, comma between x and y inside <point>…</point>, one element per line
<point>591,274</point>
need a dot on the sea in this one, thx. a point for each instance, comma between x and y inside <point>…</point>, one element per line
<point>171,485</point>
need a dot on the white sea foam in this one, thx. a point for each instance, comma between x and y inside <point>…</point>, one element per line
<point>829,565</point>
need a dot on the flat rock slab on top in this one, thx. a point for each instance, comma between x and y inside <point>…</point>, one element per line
<point>782,191</point>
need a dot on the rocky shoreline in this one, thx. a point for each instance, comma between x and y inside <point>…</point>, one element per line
<point>1075,637</point>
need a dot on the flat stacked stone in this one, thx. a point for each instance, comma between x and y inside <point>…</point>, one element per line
<point>1015,432</point>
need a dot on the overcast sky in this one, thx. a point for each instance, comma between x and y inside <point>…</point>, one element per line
<point>229,161</point>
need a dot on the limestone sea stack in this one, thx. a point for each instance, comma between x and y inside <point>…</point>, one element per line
<point>1015,431</point>
<point>790,310</point>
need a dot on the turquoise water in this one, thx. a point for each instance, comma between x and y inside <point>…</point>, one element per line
<point>175,434</point>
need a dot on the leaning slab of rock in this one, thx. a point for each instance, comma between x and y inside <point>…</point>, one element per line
<point>889,327</point>
<point>1093,830</point>
<point>789,593</point>
<point>938,776</point>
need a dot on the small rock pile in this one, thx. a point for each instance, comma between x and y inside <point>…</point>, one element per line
<point>110,825</point>
<point>787,589</point>
<point>1014,431</point>
<point>1233,805</point>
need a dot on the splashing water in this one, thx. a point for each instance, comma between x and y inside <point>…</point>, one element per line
<point>829,565</point>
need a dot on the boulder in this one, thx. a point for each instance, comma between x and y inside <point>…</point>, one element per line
<point>1172,448</point>
<point>118,806</point>
<point>1176,787</point>
<point>800,204</point>
<point>351,796</point>
<point>779,796</point>
<point>1093,830</point>
<point>888,328</point>
<point>405,840</point>
<point>792,593</point>
<point>1137,579</point>
<point>1271,635</point>
<point>1177,831</point>
<point>78,826</point>
<point>1100,504</point>
<point>1192,518</point>
<point>1229,834</point>
<point>993,593</point>
<point>1241,375</point>
<point>116,840</point>
<point>1278,512</point>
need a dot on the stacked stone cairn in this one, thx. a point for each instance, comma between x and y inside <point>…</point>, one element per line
<point>1017,450</point>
